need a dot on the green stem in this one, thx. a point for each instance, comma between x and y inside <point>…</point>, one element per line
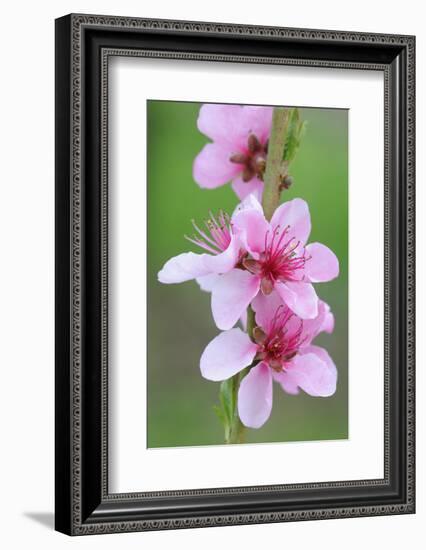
<point>274,165</point>
<point>237,431</point>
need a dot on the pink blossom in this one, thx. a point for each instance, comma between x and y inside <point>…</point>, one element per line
<point>274,256</point>
<point>281,350</point>
<point>222,252</point>
<point>238,150</point>
<point>223,255</point>
<point>246,254</point>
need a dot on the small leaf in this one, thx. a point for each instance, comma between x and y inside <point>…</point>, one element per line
<point>295,131</point>
<point>224,421</point>
<point>226,397</point>
<point>225,409</point>
<point>219,412</point>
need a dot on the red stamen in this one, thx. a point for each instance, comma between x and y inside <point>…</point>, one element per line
<point>277,348</point>
<point>280,261</point>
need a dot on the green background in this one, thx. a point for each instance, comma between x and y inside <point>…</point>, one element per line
<point>180,325</point>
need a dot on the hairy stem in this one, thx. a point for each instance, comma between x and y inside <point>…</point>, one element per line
<point>274,165</point>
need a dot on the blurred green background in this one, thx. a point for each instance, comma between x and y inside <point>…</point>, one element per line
<point>180,325</point>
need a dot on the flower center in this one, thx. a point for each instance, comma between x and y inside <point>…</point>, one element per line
<point>254,160</point>
<point>216,236</point>
<point>280,260</point>
<point>277,347</point>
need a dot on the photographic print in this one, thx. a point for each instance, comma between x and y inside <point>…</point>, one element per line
<point>247,274</point>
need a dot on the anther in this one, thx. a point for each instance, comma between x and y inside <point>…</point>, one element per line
<point>239,158</point>
<point>253,143</point>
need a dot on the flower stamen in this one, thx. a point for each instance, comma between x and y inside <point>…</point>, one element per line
<point>276,346</point>
<point>217,236</point>
<point>280,260</point>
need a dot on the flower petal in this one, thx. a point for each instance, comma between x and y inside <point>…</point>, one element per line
<point>231,295</point>
<point>232,124</point>
<point>222,123</point>
<point>265,308</point>
<point>251,202</point>
<point>294,213</point>
<point>212,166</point>
<point>184,267</point>
<point>228,353</point>
<point>312,327</point>
<point>314,372</point>
<point>300,298</point>
<point>244,188</point>
<point>287,383</point>
<point>259,121</point>
<point>322,264</point>
<point>252,227</point>
<point>226,260</point>
<point>328,324</point>
<point>255,396</point>
<point>207,282</point>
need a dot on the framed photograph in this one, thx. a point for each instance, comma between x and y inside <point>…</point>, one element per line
<point>234,274</point>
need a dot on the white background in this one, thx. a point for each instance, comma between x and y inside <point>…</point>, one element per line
<point>26,218</point>
<point>360,456</point>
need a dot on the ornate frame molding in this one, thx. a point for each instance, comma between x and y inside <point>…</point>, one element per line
<point>73,48</point>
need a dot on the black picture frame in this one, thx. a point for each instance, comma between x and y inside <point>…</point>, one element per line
<point>83,45</point>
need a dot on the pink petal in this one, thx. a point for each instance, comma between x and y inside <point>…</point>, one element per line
<point>255,396</point>
<point>314,372</point>
<point>188,265</point>
<point>288,384</point>
<point>207,281</point>
<point>252,228</point>
<point>300,298</point>
<point>265,308</point>
<point>232,124</point>
<point>244,188</point>
<point>323,354</point>
<point>259,121</point>
<point>222,123</point>
<point>322,264</point>
<point>226,260</point>
<point>228,353</point>
<point>312,327</point>
<point>184,267</point>
<point>294,213</point>
<point>328,324</point>
<point>212,166</point>
<point>251,202</point>
<point>231,296</point>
